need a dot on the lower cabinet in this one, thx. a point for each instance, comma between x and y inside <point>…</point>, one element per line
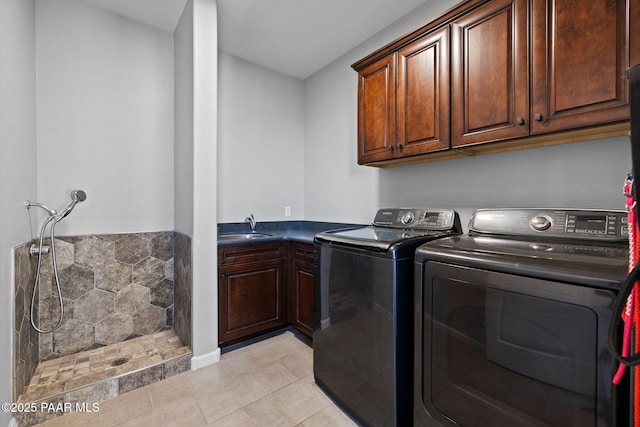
<point>261,287</point>
<point>300,290</point>
<point>250,291</point>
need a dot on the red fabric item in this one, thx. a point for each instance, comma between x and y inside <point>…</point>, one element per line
<point>636,324</point>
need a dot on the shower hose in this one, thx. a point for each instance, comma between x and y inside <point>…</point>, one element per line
<point>53,220</point>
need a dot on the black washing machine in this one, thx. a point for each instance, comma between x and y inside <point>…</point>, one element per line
<point>363,332</point>
<point>511,321</point>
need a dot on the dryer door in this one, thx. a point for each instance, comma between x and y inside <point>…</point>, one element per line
<point>501,349</point>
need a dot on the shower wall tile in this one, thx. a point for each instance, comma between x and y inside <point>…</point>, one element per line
<point>149,320</point>
<point>182,293</point>
<point>26,340</point>
<point>132,299</point>
<point>94,305</point>
<point>162,294</point>
<point>64,256</point>
<point>37,417</point>
<point>169,270</point>
<point>114,328</point>
<point>162,246</point>
<point>170,316</point>
<point>113,275</point>
<point>76,280</point>
<point>93,251</point>
<point>95,393</point>
<point>132,249</point>
<point>140,379</point>
<point>176,366</point>
<point>119,286</point>
<point>115,287</point>
<point>73,336</point>
<point>149,272</point>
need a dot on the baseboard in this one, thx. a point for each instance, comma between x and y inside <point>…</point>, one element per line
<point>198,362</point>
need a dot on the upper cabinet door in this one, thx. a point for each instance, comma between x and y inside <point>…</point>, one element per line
<point>377,111</point>
<point>580,51</point>
<point>423,95</point>
<point>490,85</point>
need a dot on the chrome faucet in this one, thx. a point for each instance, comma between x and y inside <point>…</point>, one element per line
<point>252,222</point>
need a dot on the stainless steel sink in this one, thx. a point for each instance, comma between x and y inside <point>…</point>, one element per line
<point>239,236</point>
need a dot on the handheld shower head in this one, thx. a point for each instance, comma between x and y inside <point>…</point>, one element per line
<point>76,196</point>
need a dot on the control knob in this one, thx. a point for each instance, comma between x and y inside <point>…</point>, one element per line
<point>540,223</point>
<point>407,218</point>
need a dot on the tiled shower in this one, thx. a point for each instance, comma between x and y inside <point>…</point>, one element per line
<point>117,288</point>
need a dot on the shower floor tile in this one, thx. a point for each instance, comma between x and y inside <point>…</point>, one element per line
<point>68,373</point>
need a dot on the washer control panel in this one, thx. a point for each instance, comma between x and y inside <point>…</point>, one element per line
<point>416,218</point>
<point>566,223</point>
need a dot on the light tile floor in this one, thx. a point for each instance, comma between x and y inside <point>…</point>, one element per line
<point>268,383</point>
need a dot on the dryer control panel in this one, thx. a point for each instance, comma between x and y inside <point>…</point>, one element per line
<point>417,218</point>
<point>562,223</point>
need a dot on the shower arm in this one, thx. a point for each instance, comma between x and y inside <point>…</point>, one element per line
<point>76,197</point>
<point>29,203</point>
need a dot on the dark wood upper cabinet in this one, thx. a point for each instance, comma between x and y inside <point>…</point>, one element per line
<point>377,111</point>
<point>403,101</point>
<point>423,95</point>
<point>580,51</point>
<point>493,75</point>
<point>489,63</point>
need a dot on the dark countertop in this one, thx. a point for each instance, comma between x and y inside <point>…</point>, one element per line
<point>297,231</point>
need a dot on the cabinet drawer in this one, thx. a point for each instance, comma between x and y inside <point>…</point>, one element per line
<point>243,254</point>
<point>303,252</point>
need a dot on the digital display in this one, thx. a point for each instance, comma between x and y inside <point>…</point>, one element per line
<point>591,222</point>
<point>431,217</point>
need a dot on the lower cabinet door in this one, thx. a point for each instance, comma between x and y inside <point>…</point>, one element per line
<point>251,300</point>
<point>301,297</point>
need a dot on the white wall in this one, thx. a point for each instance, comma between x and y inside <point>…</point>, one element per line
<point>204,240</point>
<point>587,174</point>
<point>183,143</point>
<point>196,59</point>
<point>335,187</point>
<point>17,160</point>
<point>105,118</point>
<point>261,131</point>
<point>583,174</point>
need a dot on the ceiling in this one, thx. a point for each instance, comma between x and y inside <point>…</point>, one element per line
<point>294,37</point>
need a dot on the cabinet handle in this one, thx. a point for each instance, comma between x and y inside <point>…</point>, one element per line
<point>520,121</point>
<point>537,117</point>
<point>390,148</point>
<point>399,147</point>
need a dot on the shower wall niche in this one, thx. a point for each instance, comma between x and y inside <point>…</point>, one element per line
<point>114,286</point>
